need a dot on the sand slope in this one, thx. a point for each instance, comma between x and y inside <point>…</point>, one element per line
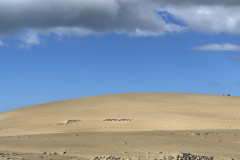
<point>142,111</point>
<point>130,126</point>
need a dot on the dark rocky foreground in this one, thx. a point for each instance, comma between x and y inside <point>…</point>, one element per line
<point>63,156</point>
<point>183,156</point>
<point>38,156</point>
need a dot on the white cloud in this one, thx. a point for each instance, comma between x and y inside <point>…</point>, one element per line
<point>219,47</point>
<point>1,43</point>
<point>209,19</point>
<point>29,39</point>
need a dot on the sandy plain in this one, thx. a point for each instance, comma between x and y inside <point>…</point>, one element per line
<point>124,126</point>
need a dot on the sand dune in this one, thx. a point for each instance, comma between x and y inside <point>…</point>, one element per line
<point>188,119</point>
<point>147,111</point>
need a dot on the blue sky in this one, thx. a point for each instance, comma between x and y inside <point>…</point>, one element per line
<point>39,66</point>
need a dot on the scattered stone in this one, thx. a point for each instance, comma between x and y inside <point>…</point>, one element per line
<point>199,134</point>
<point>110,158</point>
<point>183,156</point>
<point>15,154</point>
<point>75,134</point>
<point>189,156</point>
<point>206,133</point>
<point>2,154</point>
<point>118,120</point>
<point>195,134</point>
<point>68,122</point>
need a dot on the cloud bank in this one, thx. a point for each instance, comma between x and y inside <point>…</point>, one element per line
<point>81,17</point>
<point>219,47</point>
<point>131,17</point>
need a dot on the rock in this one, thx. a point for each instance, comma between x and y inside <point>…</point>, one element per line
<point>68,122</point>
<point>189,156</point>
<point>76,134</point>
<point>195,134</point>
